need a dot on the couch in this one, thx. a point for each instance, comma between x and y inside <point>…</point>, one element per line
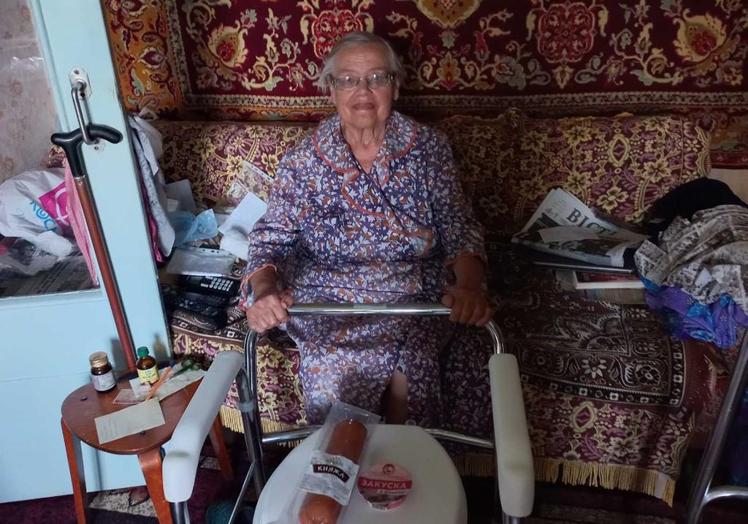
<point>611,399</point>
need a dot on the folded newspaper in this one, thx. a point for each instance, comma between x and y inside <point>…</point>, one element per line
<point>563,225</point>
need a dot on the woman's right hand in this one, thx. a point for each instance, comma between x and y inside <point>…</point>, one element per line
<point>269,311</point>
<point>270,306</point>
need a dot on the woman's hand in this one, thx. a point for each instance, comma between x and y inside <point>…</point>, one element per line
<point>270,306</point>
<point>469,306</point>
<point>466,299</point>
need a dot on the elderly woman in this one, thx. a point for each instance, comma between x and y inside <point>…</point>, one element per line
<point>368,209</point>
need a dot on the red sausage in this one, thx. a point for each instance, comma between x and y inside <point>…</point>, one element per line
<point>319,509</point>
<point>347,439</point>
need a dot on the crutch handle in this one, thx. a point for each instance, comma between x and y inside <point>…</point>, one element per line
<point>71,142</point>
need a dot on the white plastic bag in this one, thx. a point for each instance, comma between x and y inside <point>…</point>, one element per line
<point>33,206</point>
<point>239,224</point>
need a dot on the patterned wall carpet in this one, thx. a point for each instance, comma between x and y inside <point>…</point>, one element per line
<point>260,60</point>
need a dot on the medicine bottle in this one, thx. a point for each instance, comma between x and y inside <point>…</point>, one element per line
<point>146,366</point>
<point>102,376</point>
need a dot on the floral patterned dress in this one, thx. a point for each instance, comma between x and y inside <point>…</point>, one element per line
<point>335,233</point>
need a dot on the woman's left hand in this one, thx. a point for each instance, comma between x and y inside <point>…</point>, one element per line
<point>468,305</point>
<point>467,297</point>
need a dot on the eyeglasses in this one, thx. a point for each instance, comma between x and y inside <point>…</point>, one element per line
<point>350,82</point>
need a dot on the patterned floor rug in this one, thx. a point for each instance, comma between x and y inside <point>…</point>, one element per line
<point>553,505</point>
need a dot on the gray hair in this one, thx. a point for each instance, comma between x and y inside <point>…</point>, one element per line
<point>359,38</point>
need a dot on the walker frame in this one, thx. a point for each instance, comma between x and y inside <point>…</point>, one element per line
<point>520,478</point>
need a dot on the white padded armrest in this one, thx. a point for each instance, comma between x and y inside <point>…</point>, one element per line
<point>514,463</point>
<point>180,462</point>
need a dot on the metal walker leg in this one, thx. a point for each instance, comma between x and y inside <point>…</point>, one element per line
<point>702,492</point>
<point>246,383</point>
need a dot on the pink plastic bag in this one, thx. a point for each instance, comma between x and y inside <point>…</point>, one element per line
<point>55,202</point>
<point>77,222</point>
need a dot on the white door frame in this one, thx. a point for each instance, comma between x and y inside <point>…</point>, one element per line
<point>46,339</point>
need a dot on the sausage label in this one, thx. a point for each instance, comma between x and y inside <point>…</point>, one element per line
<point>385,486</point>
<point>330,475</point>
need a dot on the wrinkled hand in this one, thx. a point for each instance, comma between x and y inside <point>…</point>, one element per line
<point>469,306</point>
<point>269,310</point>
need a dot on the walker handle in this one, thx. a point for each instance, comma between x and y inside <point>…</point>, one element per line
<point>514,460</point>
<point>368,309</point>
<point>431,310</point>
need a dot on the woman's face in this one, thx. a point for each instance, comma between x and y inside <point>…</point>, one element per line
<point>363,107</point>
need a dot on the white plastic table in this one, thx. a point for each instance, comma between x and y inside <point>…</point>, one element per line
<point>437,495</point>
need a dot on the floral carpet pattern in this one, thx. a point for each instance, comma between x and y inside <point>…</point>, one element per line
<point>611,399</point>
<point>261,60</point>
<point>225,60</point>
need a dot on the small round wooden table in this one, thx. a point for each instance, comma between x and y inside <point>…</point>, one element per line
<point>84,404</point>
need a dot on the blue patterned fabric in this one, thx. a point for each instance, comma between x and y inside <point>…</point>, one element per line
<point>686,317</point>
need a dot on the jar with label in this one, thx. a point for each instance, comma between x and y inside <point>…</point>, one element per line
<point>146,366</point>
<point>102,376</point>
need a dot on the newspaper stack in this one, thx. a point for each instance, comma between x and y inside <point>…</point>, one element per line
<point>564,226</point>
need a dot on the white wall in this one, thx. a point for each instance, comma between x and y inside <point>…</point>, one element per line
<point>737,179</point>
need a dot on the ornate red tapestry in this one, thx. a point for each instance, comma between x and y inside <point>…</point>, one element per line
<point>259,60</point>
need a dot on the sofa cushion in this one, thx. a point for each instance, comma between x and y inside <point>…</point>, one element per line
<point>619,165</point>
<point>279,394</point>
<point>224,160</point>
<point>730,142</point>
<point>506,164</point>
<point>485,153</point>
<point>579,361</point>
<point>611,399</point>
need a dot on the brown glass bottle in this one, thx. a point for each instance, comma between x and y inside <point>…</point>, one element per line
<point>146,366</point>
<point>102,376</point>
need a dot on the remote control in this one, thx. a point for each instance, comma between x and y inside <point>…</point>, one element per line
<point>222,286</point>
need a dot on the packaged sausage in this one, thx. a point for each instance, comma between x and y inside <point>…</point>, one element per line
<point>329,478</point>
